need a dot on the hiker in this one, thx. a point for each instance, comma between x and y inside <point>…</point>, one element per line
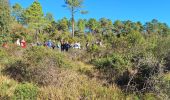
<point>58,45</point>
<point>100,43</point>
<point>77,45</point>
<point>4,45</point>
<point>33,44</point>
<point>18,43</point>
<point>49,44</point>
<point>62,46</point>
<point>23,43</point>
<point>53,45</point>
<point>38,43</point>
<point>66,46</point>
<point>87,45</point>
<point>45,44</point>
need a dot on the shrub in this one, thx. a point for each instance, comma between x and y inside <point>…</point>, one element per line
<point>17,70</point>
<point>4,56</point>
<point>40,56</point>
<point>132,97</point>
<point>115,62</point>
<point>39,65</point>
<point>7,87</point>
<point>25,91</point>
<point>151,96</point>
<point>135,37</point>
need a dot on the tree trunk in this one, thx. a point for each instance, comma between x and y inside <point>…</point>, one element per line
<point>72,22</point>
<point>36,35</point>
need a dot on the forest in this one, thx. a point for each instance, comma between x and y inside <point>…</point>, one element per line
<point>124,60</point>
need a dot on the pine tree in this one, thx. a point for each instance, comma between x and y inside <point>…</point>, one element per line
<point>33,16</point>
<point>4,16</point>
<point>74,6</point>
<point>4,19</point>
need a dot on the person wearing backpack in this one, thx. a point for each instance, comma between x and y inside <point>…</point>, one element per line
<point>66,46</point>
<point>62,46</point>
<point>49,43</point>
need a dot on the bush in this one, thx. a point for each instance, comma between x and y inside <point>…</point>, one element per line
<point>4,56</point>
<point>111,67</point>
<point>135,37</point>
<point>41,56</point>
<point>115,62</point>
<point>17,70</point>
<point>39,65</point>
<point>151,96</point>
<point>7,87</point>
<point>25,91</point>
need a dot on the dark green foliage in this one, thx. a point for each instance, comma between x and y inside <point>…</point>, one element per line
<point>25,91</point>
<point>81,24</point>
<point>111,67</point>
<point>106,25</point>
<point>63,25</point>
<point>33,15</point>
<point>113,62</point>
<point>4,16</point>
<point>5,20</point>
<point>93,25</point>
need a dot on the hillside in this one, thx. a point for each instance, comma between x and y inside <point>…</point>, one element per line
<point>84,59</point>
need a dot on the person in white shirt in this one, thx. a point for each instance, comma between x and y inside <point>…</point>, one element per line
<point>77,45</point>
<point>18,43</point>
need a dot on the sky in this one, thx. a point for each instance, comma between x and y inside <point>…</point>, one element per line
<point>135,10</point>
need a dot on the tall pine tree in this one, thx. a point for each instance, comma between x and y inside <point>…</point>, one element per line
<point>34,17</point>
<point>4,19</point>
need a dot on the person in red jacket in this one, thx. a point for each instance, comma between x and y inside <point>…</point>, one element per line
<point>4,45</point>
<point>23,43</point>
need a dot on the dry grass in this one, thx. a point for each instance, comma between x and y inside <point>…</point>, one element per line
<point>7,86</point>
<point>167,76</point>
<point>81,89</point>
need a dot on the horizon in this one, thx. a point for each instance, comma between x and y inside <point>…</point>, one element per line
<point>143,11</point>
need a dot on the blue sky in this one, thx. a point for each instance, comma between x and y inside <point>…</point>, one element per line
<point>135,10</point>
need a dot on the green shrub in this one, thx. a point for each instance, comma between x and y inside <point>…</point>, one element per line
<point>132,97</point>
<point>135,37</point>
<point>25,91</point>
<point>4,56</point>
<point>114,62</point>
<point>151,96</point>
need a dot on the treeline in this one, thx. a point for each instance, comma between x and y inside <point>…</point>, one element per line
<point>32,21</point>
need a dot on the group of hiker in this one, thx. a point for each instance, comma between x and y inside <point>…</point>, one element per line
<point>62,45</point>
<point>19,42</point>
